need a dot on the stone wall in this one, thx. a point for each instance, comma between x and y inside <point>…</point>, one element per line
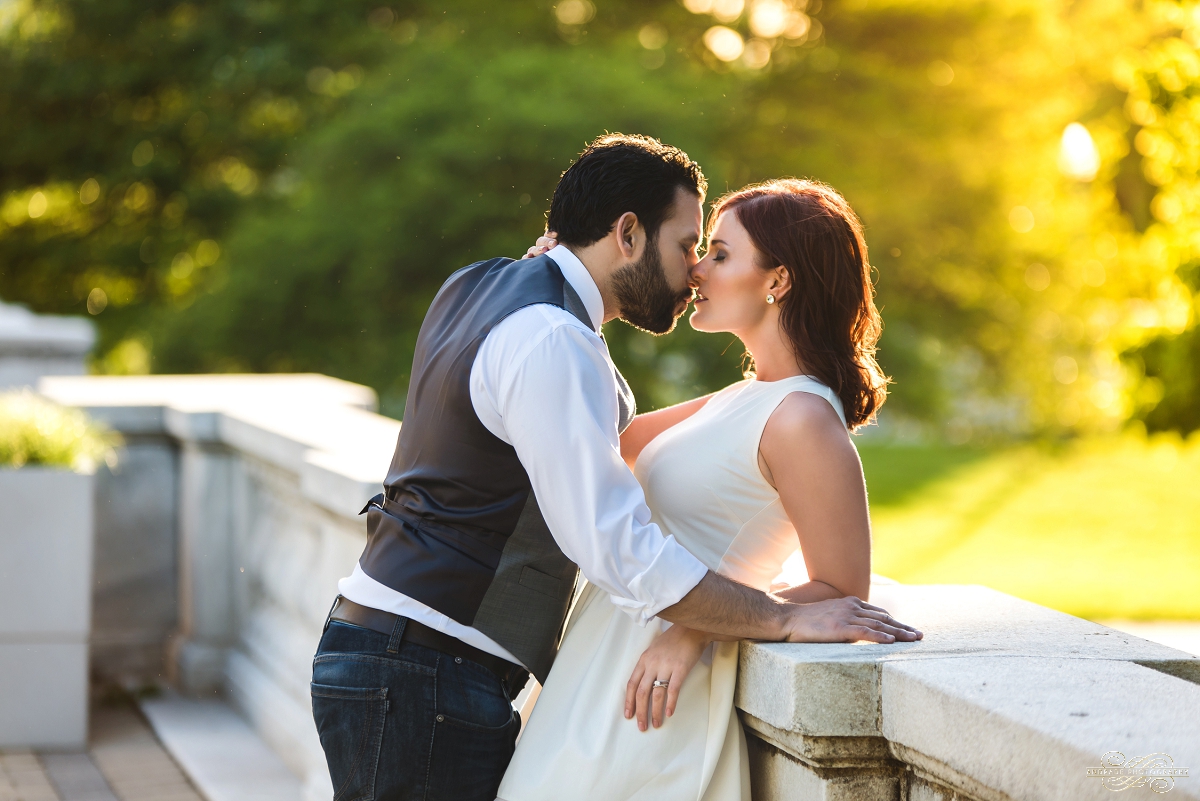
<point>1002,699</point>
<point>221,537</point>
<point>34,345</point>
<point>222,533</point>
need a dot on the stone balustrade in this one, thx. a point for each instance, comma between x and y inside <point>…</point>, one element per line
<point>34,345</point>
<point>1002,699</point>
<point>222,534</point>
<point>221,537</point>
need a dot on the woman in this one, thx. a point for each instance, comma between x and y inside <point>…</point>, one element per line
<point>737,477</point>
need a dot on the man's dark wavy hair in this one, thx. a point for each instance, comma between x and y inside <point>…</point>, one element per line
<point>617,173</point>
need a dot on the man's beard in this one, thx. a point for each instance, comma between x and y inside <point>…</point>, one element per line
<point>645,297</point>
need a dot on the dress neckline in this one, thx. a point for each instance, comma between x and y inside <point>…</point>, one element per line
<point>759,381</point>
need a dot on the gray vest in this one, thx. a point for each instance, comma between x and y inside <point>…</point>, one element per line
<point>458,527</point>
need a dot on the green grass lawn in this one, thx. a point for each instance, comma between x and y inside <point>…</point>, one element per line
<point>1101,528</point>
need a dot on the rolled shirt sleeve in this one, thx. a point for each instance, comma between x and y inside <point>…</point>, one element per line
<point>544,384</point>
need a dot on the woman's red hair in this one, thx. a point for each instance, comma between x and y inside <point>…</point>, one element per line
<point>829,316</point>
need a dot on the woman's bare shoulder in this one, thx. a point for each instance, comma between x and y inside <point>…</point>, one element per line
<point>804,418</point>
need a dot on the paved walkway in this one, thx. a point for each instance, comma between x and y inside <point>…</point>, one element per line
<point>124,762</point>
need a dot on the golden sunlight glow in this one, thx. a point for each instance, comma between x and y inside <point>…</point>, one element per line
<point>725,43</point>
<point>799,25</point>
<point>1021,219</point>
<point>698,6</point>
<point>207,253</point>
<point>89,191</point>
<point>574,12</point>
<point>1077,154</point>
<point>757,54</point>
<point>652,36</point>
<point>769,18</point>
<point>97,301</point>
<point>37,205</point>
<point>728,10</point>
<point>940,73</point>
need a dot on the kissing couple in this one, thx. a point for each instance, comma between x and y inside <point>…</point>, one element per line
<point>521,467</point>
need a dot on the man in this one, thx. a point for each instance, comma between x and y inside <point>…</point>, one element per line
<point>507,476</point>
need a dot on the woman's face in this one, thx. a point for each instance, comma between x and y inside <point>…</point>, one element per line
<point>731,290</point>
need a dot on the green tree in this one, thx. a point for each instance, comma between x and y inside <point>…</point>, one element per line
<point>446,157</point>
<point>131,133</point>
<point>996,154</point>
<point>1163,85</point>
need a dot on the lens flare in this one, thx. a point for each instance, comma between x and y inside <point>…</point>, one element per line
<point>1077,155</point>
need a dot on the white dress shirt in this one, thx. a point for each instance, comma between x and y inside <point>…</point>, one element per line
<point>544,383</point>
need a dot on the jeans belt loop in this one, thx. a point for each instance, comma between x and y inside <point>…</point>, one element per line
<point>393,646</point>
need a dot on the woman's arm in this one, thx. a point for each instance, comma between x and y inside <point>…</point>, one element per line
<point>646,427</point>
<point>806,454</point>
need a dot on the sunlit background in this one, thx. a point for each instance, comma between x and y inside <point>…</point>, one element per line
<point>253,185</point>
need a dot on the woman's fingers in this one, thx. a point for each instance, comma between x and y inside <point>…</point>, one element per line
<point>673,693</point>
<point>631,689</point>
<point>643,701</point>
<point>658,700</point>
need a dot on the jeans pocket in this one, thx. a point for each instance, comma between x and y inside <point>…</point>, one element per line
<point>487,750</point>
<point>350,722</point>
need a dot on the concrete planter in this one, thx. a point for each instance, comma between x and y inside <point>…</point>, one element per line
<point>45,598</point>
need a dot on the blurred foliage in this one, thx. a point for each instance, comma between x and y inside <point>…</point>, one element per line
<point>1163,84</point>
<point>436,165</point>
<point>34,431</point>
<point>347,158</point>
<point>133,132</point>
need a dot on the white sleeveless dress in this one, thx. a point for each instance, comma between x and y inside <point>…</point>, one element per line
<point>704,486</point>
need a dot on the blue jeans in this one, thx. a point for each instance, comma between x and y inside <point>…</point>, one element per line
<point>401,722</point>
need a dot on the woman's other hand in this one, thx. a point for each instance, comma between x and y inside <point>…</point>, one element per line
<point>670,658</point>
<point>544,243</point>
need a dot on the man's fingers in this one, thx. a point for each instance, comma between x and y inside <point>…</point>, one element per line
<point>899,632</point>
<point>874,612</point>
<point>856,633</point>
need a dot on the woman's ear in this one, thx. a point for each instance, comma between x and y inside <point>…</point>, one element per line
<point>781,282</point>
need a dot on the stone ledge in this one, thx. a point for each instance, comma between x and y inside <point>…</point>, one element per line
<point>1029,727</point>
<point>1002,700</point>
<point>833,689</point>
<point>321,428</point>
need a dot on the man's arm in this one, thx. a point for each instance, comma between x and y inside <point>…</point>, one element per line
<point>723,607</point>
<point>546,388</point>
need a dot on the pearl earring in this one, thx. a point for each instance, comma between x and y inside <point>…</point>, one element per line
<point>770,298</point>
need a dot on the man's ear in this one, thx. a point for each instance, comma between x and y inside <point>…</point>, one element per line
<point>629,234</point>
